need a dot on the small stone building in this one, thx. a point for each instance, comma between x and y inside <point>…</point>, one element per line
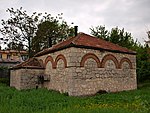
<point>81,65</point>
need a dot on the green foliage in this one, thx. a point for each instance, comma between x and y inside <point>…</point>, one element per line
<point>22,30</point>
<point>100,32</point>
<point>49,33</point>
<point>3,68</point>
<point>13,46</point>
<point>116,35</point>
<point>143,63</point>
<point>20,27</point>
<point>44,101</point>
<point>4,81</point>
<point>121,38</point>
<point>4,77</point>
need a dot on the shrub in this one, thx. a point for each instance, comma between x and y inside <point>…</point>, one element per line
<point>5,81</point>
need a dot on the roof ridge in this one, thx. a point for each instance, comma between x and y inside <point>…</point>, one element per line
<point>76,38</point>
<point>107,41</point>
<point>62,41</point>
<point>55,46</point>
<point>87,41</point>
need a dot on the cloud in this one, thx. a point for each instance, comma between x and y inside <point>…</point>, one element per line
<point>133,15</point>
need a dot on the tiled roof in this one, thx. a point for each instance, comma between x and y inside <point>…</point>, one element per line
<point>30,63</point>
<point>86,41</point>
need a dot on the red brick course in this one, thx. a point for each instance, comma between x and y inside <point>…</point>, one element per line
<point>87,56</point>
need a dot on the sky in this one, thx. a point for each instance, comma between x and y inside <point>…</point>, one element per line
<point>132,15</point>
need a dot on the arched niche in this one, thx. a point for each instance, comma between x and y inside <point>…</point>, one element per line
<point>109,58</point>
<point>89,56</point>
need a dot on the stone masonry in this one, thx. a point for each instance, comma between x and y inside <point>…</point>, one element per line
<point>80,71</point>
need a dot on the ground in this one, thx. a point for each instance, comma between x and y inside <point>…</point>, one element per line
<point>45,101</point>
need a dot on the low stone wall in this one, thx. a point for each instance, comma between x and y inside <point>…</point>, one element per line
<point>88,82</point>
<point>25,78</point>
<point>15,78</point>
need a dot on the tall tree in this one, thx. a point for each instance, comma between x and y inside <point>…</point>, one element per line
<point>12,46</point>
<point>100,32</point>
<point>116,35</point>
<point>50,33</point>
<point>143,63</point>
<point>21,27</point>
<point>122,38</point>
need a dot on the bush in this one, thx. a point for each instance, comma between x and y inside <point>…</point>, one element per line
<point>5,81</point>
<point>3,68</point>
<point>4,72</point>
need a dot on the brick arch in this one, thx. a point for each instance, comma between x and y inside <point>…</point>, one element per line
<point>87,56</point>
<point>49,58</point>
<point>109,57</point>
<point>124,59</point>
<point>62,57</point>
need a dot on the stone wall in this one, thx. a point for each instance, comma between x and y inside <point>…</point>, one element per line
<point>15,78</point>
<point>56,67</point>
<point>58,77</point>
<point>25,78</point>
<point>81,71</point>
<point>90,81</point>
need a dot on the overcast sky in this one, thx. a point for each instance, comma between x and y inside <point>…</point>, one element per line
<point>133,15</point>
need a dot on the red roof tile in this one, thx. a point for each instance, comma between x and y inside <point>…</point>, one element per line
<point>87,41</point>
<point>30,63</point>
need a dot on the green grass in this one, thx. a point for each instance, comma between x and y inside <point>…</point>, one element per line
<point>44,101</point>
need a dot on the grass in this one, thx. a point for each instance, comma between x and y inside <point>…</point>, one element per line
<point>44,101</point>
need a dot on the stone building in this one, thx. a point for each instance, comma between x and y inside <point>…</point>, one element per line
<point>81,65</point>
<point>9,58</point>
